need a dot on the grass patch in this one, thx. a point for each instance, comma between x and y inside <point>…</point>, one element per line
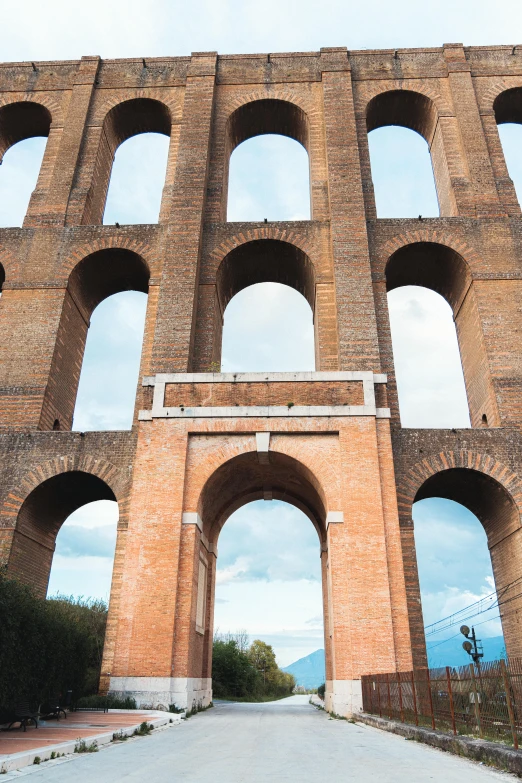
<point>143,730</point>
<point>82,746</point>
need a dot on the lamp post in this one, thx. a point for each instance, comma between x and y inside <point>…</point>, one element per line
<point>471,645</point>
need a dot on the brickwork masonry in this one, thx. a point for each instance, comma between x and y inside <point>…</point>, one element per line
<point>202,443</point>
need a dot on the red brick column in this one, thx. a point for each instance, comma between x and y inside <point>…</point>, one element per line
<point>482,197</point>
<point>29,318</point>
<point>173,343</point>
<point>367,606</point>
<point>358,345</point>
<point>56,205</point>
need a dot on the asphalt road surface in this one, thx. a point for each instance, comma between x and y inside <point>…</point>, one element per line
<point>287,740</point>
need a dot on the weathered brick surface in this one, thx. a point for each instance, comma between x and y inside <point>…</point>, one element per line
<point>62,263</point>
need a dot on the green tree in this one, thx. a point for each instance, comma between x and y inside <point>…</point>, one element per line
<point>262,658</point>
<point>232,673</point>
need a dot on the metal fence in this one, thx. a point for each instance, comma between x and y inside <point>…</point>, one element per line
<point>482,699</point>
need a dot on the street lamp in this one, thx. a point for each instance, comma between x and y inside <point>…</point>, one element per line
<point>472,644</point>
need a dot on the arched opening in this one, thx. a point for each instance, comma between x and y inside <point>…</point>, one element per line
<point>268,327</point>
<point>242,480</point>
<point>137,179</point>
<point>84,553</point>
<point>243,270</point>
<point>269,178</point>
<point>127,119</point>
<point>2,278</point>
<point>272,593</point>
<point>508,114</point>
<point>448,504</point>
<point>97,277</point>
<point>40,518</point>
<point>441,269</point>
<point>112,353</point>
<point>402,174</point>
<point>430,382</point>
<point>24,128</point>
<point>399,163</point>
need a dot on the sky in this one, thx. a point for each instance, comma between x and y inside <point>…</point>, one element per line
<point>273,595</point>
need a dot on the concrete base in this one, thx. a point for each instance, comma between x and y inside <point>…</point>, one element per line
<point>344,697</point>
<point>188,693</point>
<point>494,754</point>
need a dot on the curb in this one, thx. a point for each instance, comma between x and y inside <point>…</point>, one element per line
<point>15,761</point>
<point>491,753</point>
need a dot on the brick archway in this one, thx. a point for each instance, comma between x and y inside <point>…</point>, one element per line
<point>410,484</point>
<point>49,494</point>
<point>493,493</point>
<point>104,470</point>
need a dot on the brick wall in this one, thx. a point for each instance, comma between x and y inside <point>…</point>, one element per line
<point>63,262</point>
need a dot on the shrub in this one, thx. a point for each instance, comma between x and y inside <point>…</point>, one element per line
<point>82,747</point>
<point>143,730</point>
<point>109,702</point>
<point>320,691</point>
<point>49,646</point>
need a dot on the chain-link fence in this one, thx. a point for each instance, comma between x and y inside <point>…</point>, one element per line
<point>483,699</point>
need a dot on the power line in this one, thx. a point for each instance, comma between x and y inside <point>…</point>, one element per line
<point>457,617</point>
<point>489,620</point>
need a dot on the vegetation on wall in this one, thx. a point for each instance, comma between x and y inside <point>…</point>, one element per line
<point>48,646</point>
<point>247,672</point>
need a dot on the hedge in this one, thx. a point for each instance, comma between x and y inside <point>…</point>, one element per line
<point>48,646</point>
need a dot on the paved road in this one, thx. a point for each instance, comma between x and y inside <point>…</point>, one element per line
<point>288,740</point>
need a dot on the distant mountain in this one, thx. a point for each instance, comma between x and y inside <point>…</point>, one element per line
<point>308,671</point>
<point>451,653</point>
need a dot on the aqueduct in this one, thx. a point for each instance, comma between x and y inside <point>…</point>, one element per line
<point>203,443</point>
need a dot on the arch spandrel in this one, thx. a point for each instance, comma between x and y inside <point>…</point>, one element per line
<point>120,242</point>
<point>490,90</point>
<point>224,473</point>
<point>488,488</point>
<point>100,468</point>
<point>172,99</point>
<point>370,91</point>
<point>264,232</point>
<point>36,509</point>
<point>267,115</point>
<point>106,272</point>
<point>265,261</point>
<point>430,265</point>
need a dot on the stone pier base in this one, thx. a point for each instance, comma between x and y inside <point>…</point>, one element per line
<point>186,693</point>
<point>344,697</point>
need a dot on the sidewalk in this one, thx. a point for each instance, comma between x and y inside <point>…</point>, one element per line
<point>19,748</point>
